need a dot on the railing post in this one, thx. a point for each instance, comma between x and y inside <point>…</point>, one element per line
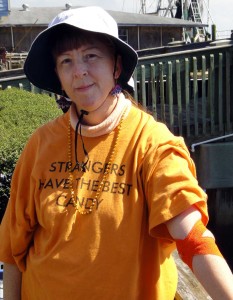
<point>203,93</point>
<point>179,103</point>
<point>187,97</point>
<point>153,91</point>
<point>162,97</point>
<point>195,96</point>
<point>211,89</point>
<point>170,96</point>
<point>135,76</point>
<point>228,93</point>
<point>220,92</point>
<point>143,85</point>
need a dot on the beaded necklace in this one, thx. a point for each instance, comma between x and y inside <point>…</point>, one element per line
<point>108,164</point>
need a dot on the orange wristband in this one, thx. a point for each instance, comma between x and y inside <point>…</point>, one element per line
<point>196,244</point>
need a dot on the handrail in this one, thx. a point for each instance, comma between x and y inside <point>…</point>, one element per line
<point>209,141</point>
<point>180,51</point>
<point>13,78</point>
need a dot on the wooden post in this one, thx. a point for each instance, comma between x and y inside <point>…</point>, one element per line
<point>220,92</point>
<point>214,35</point>
<point>170,96</point>
<point>195,96</point>
<point>179,103</point>
<point>153,91</point>
<point>203,93</point>
<point>143,85</point>
<point>162,97</point>
<point>187,98</point>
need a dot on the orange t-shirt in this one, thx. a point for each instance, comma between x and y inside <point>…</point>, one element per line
<point>121,250</point>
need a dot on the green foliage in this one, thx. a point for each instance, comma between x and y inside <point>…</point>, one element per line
<point>21,112</point>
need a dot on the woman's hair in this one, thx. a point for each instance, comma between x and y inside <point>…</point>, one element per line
<point>63,40</point>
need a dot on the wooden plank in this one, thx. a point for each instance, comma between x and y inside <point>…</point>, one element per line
<point>153,91</point>
<point>204,120</point>
<point>179,103</point>
<point>228,95</point>
<point>211,94</point>
<point>187,97</point>
<point>189,287</point>
<point>220,92</point>
<point>170,96</point>
<point>135,76</point>
<point>143,86</point>
<point>162,97</point>
<point>195,96</point>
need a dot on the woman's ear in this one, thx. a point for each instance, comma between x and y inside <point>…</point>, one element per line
<point>118,67</point>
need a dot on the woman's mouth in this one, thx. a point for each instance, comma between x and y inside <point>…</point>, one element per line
<point>84,88</point>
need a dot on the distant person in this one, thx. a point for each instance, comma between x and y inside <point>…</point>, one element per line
<point>103,194</point>
<point>179,10</point>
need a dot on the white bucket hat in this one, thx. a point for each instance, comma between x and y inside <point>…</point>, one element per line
<point>39,65</point>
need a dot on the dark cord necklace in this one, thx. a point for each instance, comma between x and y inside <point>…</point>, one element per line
<point>108,163</point>
<point>78,129</point>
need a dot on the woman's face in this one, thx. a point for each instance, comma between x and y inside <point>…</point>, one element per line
<point>87,74</point>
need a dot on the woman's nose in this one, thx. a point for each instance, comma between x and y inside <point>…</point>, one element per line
<point>80,69</point>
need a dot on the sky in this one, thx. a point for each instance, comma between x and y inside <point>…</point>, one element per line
<point>221,11</point>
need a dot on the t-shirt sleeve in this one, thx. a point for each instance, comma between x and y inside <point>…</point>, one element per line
<point>19,221</point>
<point>170,182</point>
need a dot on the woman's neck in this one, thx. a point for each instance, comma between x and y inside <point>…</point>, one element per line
<point>95,117</point>
<point>109,123</point>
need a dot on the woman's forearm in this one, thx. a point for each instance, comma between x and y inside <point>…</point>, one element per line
<point>211,270</point>
<point>215,276</point>
<point>11,282</point>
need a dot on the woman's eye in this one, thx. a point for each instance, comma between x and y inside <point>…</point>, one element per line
<point>65,60</point>
<point>90,56</point>
<point>62,60</point>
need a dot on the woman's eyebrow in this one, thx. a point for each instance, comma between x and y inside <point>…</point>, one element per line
<point>91,48</point>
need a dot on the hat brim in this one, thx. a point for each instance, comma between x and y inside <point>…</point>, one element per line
<point>40,69</point>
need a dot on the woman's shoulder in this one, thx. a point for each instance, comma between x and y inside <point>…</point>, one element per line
<point>52,126</point>
<point>153,132</point>
<point>147,121</point>
<point>47,133</point>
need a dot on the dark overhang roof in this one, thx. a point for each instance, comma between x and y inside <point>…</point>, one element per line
<point>41,16</point>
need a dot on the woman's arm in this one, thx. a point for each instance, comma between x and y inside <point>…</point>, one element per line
<point>11,282</point>
<point>211,270</point>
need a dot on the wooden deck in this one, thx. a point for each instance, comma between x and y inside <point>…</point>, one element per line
<point>189,287</point>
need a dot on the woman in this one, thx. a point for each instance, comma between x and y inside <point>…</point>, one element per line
<point>102,195</point>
